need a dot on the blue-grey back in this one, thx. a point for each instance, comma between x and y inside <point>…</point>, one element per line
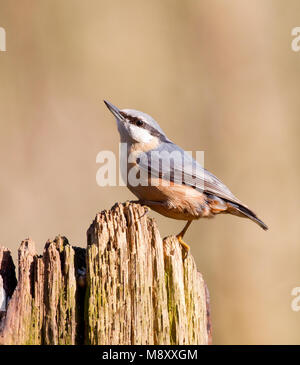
<point>183,168</point>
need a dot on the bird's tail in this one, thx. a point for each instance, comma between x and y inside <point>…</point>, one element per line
<point>242,211</point>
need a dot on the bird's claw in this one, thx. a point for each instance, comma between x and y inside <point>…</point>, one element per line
<point>146,210</point>
<point>185,247</point>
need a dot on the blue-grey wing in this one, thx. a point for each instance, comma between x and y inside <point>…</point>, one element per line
<point>171,163</point>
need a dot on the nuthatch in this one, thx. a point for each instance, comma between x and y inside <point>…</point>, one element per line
<point>182,189</point>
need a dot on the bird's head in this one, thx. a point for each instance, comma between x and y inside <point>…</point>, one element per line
<point>135,126</point>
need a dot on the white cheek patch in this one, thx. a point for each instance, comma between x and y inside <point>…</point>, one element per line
<point>140,134</point>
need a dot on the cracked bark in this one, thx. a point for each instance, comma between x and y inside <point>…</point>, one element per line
<point>137,289</point>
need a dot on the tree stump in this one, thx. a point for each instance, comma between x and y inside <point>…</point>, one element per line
<point>128,287</point>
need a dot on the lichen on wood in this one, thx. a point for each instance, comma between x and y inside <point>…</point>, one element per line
<point>140,290</point>
<point>137,289</point>
<point>43,308</point>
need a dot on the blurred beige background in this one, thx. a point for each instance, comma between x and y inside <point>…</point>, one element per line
<point>219,76</point>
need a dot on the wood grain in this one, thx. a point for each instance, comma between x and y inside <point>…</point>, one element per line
<point>137,289</point>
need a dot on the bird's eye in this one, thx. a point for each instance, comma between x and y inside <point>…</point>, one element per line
<point>139,123</point>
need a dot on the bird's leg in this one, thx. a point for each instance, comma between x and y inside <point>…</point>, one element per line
<point>180,238</point>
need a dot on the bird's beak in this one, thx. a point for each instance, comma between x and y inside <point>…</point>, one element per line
<point>115,111</point>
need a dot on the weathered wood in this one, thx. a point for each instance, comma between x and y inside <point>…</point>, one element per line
<point>43,309</point>
<point>137,290</point>
<point>8,280</point>
<point>140,290</point>
<point>187,297</point>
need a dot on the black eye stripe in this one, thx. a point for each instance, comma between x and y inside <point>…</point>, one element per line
<point>132,120</point>
<point>140,123</point>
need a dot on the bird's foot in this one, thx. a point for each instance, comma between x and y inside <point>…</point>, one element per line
<point>146,210</point>
<point>185,247</point>
<point>144,205</point>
